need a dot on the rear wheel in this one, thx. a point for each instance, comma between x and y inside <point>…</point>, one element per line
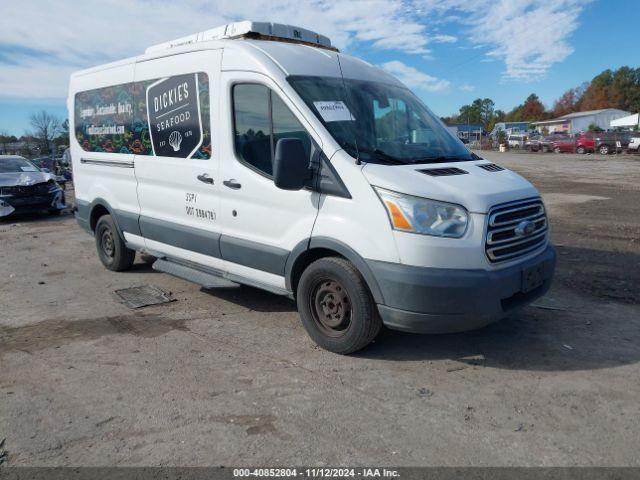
<point>556,150</point>
<point>604,149</point>
<point>581,150</point>
<point>112,250</point>
<point>336,307</point>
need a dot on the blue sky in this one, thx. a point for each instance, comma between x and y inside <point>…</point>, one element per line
<point>448,51</point>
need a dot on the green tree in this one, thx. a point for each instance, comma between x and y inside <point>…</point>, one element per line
<point>480,111</point>
<point>5,139</point>
<point>63,138</point>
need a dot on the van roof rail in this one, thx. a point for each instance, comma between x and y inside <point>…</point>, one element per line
<point>255,30</point>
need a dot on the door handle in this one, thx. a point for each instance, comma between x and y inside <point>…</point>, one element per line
<point>232,184</point>
<point>205,178</point>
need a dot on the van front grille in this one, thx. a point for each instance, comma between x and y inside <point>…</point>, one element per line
<point>516,229</point>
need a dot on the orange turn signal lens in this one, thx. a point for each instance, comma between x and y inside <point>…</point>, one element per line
<point>397,217</point>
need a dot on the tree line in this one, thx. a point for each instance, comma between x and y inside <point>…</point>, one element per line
<point>609,89</point>
<point>46,130</point>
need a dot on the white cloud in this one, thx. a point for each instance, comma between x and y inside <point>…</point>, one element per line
<point>78,35</point>
<point>414,78</point>
<point>41,43</point>
<point>528,35</point>
<point>467,88</point>
<point>444,38</point>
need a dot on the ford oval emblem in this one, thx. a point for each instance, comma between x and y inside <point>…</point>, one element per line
<point>525,228</point>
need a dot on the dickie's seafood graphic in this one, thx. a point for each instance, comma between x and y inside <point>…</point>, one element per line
<point>115,120</point>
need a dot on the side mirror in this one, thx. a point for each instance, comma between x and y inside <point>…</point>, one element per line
<point>290,165</point>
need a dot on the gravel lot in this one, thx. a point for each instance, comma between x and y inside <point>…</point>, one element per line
<point>231,378</point>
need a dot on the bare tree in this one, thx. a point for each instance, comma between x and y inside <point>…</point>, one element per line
<point>4,140</point>
<point>46,128</point>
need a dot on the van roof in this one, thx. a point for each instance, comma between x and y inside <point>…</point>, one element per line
<point>287,57</point>
<point>249,29</point>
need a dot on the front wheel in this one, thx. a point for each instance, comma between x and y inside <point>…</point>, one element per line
<point>336,307</point>
<point>604,149</point>
<point>581,150</point>
<point>556,150</point>
<point>112,250</point>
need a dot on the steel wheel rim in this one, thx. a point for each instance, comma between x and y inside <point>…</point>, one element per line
<point>331,307</point>
<point>107,243</point>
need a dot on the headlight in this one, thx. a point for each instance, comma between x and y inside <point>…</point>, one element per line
<point>420,215</point>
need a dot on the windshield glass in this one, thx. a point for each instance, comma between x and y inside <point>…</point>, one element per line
<point>16,165</point>
<point>379,122</point>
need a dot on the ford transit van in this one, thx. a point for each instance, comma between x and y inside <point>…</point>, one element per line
<point>257,154</point>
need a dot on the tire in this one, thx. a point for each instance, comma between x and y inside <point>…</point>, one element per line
<point>604,149</point>
<point>112,251</point>
<point>581,150</point>
<point>336,307</point>
<point>557,150</point>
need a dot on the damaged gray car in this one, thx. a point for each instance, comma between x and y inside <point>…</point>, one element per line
<point>25,188</point>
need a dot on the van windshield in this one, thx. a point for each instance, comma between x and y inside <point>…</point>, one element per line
<point>378,122</point>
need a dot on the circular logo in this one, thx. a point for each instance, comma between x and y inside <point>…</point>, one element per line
<point>524,228</point>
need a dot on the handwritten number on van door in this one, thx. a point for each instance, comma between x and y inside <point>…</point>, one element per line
<point>193,211</point>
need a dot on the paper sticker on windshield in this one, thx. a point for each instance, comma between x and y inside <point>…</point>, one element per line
<point>29,169</point>
<point>333,111</point>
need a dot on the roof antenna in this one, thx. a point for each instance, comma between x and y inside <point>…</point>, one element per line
<point>344,86</point>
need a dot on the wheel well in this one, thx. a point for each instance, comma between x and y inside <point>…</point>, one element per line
<point>306,259</point>
<point>97,212</point>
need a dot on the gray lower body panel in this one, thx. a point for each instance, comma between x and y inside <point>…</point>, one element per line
<point>195,275</point>
<point>436,300</point>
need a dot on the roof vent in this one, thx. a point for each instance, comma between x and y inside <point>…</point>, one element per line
<point>491,167</point>
<point>248,29</point>
<point>443,172</point>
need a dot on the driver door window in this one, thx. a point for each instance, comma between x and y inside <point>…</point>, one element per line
<point>261,119</point>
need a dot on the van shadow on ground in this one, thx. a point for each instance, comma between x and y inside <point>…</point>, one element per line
<point>532,339</point>
<point>583,338</point>
<point>589,330</point>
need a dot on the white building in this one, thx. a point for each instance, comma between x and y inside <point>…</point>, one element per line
<point>579,121</point>
<point>627,122</point>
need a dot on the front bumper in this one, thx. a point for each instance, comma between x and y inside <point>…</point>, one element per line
<point>54,200</point>
<point>438,300</point>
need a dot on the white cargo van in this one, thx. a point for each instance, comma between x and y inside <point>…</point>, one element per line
<point>257,154</point>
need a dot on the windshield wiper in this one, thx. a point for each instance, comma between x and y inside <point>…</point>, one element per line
<point>376,153</point>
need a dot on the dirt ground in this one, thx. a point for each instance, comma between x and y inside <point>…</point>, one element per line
<point>231,378</point>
